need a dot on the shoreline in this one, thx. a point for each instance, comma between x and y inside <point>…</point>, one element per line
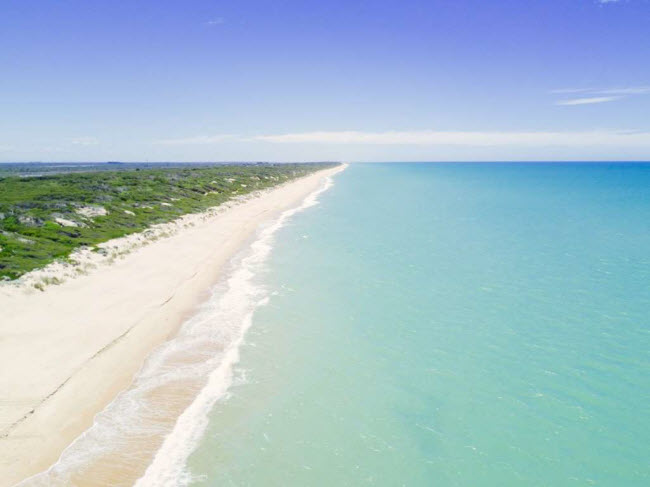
<point>68,351</point>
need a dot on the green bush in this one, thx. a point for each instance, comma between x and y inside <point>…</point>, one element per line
<point>30,237</point>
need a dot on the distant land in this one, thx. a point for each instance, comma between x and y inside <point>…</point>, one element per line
<point>38,168</point>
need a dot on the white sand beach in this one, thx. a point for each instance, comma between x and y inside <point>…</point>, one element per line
<point>67,351</point>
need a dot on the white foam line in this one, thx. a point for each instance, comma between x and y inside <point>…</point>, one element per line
<point>168,466</point>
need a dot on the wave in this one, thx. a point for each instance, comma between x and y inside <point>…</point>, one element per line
<point>168,466</point>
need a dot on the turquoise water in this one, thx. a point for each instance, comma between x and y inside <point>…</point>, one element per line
<point>449,325</point>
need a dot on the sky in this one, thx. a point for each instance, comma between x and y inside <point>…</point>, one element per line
<point>249,80</point>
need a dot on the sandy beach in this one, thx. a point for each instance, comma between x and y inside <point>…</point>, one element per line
<point>67,351</point>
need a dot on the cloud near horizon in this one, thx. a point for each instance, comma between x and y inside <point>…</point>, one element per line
<point>198,140</point>
<point>85,141</point>
<point>436,138</point>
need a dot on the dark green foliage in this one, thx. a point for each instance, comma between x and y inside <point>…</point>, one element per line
<point>31,237</point>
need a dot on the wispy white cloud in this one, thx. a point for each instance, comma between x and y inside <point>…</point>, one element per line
<point>217,21</point>
<point>85,141</point>
<point>631,90</point>
<point>588,101</point>
<point>590,96</point>
<point>608,1</point>
<point>435,138</point>
<point>198,140</point>
<point>625,90</point>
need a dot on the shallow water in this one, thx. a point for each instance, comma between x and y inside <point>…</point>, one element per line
<point>448,325</point>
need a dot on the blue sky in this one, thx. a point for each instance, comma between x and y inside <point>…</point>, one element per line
<point>336,80</point>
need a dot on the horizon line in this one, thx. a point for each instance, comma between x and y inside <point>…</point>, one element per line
<point>440,161</point>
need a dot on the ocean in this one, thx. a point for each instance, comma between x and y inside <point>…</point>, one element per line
<point>448,325</point>
<point>416,325</point>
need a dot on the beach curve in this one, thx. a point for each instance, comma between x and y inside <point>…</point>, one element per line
<point>67,352</point>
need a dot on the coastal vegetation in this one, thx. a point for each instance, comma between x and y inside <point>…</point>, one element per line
<point>45,218</point>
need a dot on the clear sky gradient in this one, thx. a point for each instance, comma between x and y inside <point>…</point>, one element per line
<point>324,80</point>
